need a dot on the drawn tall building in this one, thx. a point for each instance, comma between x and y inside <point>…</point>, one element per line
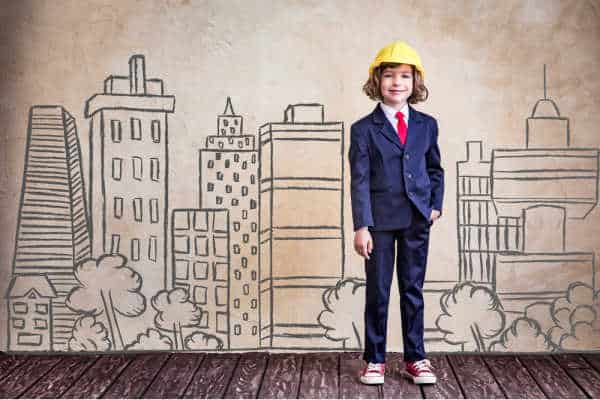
<point>200,254</point>
<point>129,171</point>
<point>52,228</point>
<point>301,225</point>
<point>229,180</point>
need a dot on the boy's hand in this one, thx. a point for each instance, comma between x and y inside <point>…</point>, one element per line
<point>435,214</point>
<point>363,242</point>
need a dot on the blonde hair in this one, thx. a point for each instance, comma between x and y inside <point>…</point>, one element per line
<point>372,86</point>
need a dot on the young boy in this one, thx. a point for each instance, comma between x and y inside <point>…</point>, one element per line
<point>397,188</point>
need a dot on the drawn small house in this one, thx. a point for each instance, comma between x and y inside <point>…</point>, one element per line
<point>30,310</point>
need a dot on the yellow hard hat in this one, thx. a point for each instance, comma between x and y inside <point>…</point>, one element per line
<point>398,52</point>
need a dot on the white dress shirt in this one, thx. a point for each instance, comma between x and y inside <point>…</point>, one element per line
<point>390,113</point>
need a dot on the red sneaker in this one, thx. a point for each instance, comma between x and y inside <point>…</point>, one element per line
<point>420,372</point>
<point>373,374</point>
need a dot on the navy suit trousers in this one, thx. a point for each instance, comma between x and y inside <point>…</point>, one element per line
<point>412,245</point>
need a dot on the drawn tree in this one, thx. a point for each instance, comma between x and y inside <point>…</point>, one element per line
<point>89,335</point>
<point>203,341</point>
<point>470,314</point>
<point>524,335</point>
<point>340,319</point>
<point>152,339</point>
<point>107,285</point>
<point>174,312</point>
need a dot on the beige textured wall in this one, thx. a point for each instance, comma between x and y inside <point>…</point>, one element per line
<point>484,67</point>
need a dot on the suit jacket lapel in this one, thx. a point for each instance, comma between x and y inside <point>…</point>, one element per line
<point>415,128</point>
<point>384,126</point>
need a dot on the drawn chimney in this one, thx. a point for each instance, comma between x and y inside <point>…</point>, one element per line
<point>137,75</point>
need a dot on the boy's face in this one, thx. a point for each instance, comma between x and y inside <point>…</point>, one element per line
<point>396,85</point>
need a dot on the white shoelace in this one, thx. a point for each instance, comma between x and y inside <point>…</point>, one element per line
<point>423,365</point>
<point>373,367</point>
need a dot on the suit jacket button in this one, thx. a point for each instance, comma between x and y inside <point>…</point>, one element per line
<point>407,156</point>
<point>409,176</point>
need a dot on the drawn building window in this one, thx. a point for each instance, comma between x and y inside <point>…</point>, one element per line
<point>222,322</point>
<point>236,157</point>
<point>115,130</point>
<point>231,129</point>
<point>154,169</point>
<point>217,156</point>
<point>200,294</point>
<point>235,202</point>
<point>201,245</point>
<point>237,329</point>
<point>201,221</point>
<point>228,188</point>
<point>115,242</point>
<point>136,129</point>
<point>41,308</point>
<point>253,158</point>
<point>236,226</point>
<point>236,121</point>
<point>245,238</point>
<point>220,246</point>
<point>254,250</point>
<point>252,204</point>
<point>181,244</point>
<point>236,303</point>
<point>253,274</point>
<point>253,179</point>
<point>246,289</point>
<point>118,207</point>
<point>210,187</point>
<point>20,308</point>
<point>253,304</point>
<point>219,200</point>
<point>253,226</point>
<point>201,270</point>
<point>135,249</point>
<point>244,190</point>
<point>29,339</point>
<point>221,295</point>
<point>245,316</point>
<point>155,131</point>
<point>245,165</point>
<point>237,274</point>
<point>245,262</point>
<point>39,323</point>
<point>137,168</point>
<point>236,249</point>
<point>211,164</point>
<point>203,320</point>
<point>220,175</point>
<point>220,272</point>
<point>227,163</point>
<point>236,177</point>
<point>254,330</point>
<point>247,140</point>
<point>182,269</point>
<point>18,323</point>
<point>154,211</point>
<point>117,164</point>
<point>244,214</point>
<point>152,248</point>
<point>137,209</point>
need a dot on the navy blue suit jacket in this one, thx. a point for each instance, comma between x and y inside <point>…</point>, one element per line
<point>387,176</point>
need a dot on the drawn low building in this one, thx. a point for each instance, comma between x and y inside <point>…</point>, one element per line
<point>52,227</point>
<point>301,225</point>
<point>30,298</point>
<point>229,180</point>
<point>201,265</point>
<point>129,172</point>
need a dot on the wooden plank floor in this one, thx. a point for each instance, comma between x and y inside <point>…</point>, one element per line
<point>293,375</point>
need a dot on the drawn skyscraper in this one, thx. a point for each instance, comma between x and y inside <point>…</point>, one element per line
<point>52,230</point>
<point>229,180</point>
<point>129,171</point>
<point>301,224</point>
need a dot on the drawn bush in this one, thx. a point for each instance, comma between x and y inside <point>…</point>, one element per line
<point>203,341</point>
<point>470,315</point>
<point>152,339</point>
<point>524,335</point>
<point>107,285</point>
<point>341,317</point>
<point>174,312</point>
<point>89,335</point>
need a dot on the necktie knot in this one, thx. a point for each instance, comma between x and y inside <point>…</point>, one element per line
<point>399,115</point>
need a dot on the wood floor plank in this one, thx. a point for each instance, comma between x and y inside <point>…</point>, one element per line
<point>320,379</point>
<point>397,385</point>
<point>474,376</point>
<point>569,360</point>
<point>8,362</point>
<point>594,360</point>
<point>175,375</point>
<point>550,377</point>
<point>61,377</point>
<point>447,386</point>
<point>94,382</point>
<point>282,376</point>
<point>513,377</point>
<point>212,376</point>
<point>27,373</point>
<point>138,375</point>
<point>247,376</point>
<point>588,379</point>
<point>350,386</point>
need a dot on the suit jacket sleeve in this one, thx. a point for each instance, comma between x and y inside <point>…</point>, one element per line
<point>358,156</point>
<point>435,171</point>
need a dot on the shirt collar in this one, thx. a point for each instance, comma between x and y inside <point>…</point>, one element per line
<point>390,112</point>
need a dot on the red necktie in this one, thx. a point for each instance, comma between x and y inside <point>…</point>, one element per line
<point>401,127</point>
